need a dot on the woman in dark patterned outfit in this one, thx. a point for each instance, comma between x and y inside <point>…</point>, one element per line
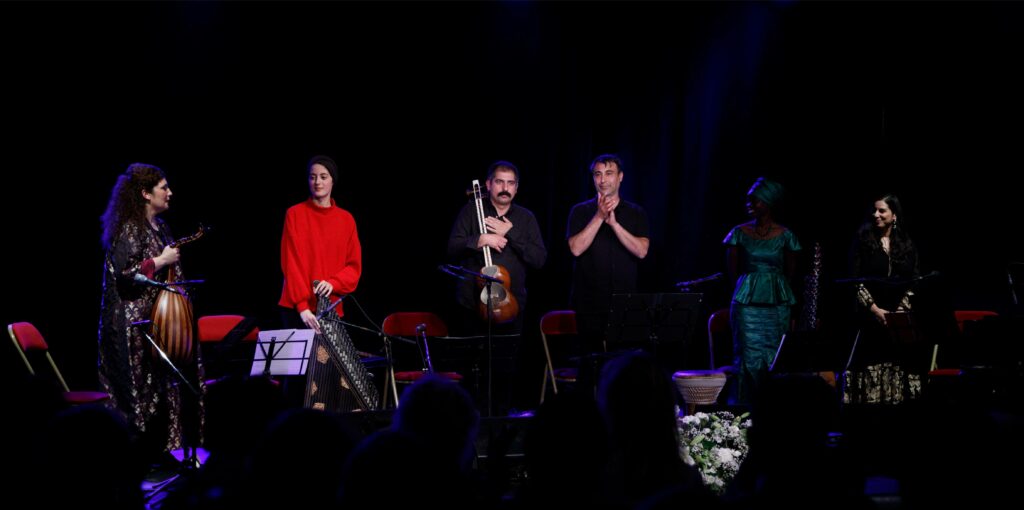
<point>885,256</point>
<point>142,387</point>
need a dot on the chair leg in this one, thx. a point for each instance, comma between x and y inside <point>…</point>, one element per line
<point>394,386</point>
<point>57,372</point>
<point>549,370</point>
<point>389,387</point>
<point>544,385</point>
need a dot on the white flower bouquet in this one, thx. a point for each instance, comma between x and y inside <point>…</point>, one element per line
<point>716,443</point>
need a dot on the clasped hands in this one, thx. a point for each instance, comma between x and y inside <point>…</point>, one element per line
<point>606,208</point>
<point>496,228</point>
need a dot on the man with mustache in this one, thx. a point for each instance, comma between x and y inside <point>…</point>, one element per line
<point>608,237</point>
<point>514,237</point>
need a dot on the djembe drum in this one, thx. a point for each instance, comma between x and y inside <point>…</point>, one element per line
<point>699,387</point>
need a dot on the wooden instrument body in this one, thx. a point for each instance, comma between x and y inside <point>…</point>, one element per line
<point>173,321</point>
<point>504,307</point>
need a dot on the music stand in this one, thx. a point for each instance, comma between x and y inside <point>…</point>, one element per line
<point>487,280</point>
<point>661,323</point>
<point>806,352</point>
<point>282,352</point>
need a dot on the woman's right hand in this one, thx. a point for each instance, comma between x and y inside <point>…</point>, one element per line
<point>310,320</point>
<point>169,256</point>
<point>879,313</point>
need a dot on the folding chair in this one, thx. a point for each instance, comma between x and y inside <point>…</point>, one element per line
<point>408,324</point>
<point>29,340</point>
<point>557,322</point>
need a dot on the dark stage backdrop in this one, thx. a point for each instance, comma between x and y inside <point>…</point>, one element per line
<point>837,101</point>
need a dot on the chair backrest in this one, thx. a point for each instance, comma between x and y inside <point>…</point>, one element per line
<point>718,325</point>
<point>405,323</point>
<point>213,328</point>
<point>971,315</point>
<point>558,322</point>
<point>28,339</point>
<point>555,322</point>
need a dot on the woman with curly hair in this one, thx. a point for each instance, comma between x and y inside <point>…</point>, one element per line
<point>137,242</point>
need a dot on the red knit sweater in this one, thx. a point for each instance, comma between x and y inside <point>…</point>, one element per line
<point>318,243</point>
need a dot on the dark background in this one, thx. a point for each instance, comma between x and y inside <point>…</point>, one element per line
<point>838,101</point>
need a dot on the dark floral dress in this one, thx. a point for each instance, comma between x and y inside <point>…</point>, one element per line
<point>877,375</point>
<point>142,387</point>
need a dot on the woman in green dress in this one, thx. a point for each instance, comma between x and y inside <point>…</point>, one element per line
<point>761,257</point>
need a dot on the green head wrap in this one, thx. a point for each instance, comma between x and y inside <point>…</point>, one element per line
<point>769,192</point>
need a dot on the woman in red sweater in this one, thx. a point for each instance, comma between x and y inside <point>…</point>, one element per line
<point>319,242</point>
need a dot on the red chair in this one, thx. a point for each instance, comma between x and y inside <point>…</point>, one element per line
<point>213,329</point>
<point>406,324</point>
<point>29,340</point>
<point>961,316</point>
<point>557,322</point>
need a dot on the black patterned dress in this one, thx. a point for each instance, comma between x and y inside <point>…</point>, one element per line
<point>877,375</point>
<point>142,387</point>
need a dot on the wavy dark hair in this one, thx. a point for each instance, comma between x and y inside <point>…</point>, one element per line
<point>900,244</point>
<point>126,204</point>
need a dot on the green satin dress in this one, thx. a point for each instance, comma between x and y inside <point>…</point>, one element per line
<point>761,303</point>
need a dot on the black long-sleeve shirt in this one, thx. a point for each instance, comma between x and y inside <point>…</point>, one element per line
<point>525,249</point>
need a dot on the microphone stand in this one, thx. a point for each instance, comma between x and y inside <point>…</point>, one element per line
<point>422,330</point>
<point>686,285</point>
<point>1013,289</point>
<point>169,286</point>
<point>462,273</point>
<point>163,356</point>
<point>189,458</point>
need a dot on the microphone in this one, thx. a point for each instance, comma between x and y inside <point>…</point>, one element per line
<point>421,328</point>
<point>141,323</point>
<point>329,308</point>
<point>141,278</point>
<point>698,281</point>
<point>450,270</point>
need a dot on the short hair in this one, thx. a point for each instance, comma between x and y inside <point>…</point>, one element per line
<point>502,165</point>
<point>607,158</point>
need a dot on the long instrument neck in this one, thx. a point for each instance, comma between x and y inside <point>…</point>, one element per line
<point>478,199</point>
<point>171,273</point>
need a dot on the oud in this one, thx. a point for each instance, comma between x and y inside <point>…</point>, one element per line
<point>503,305</point>
<point>172,314</point>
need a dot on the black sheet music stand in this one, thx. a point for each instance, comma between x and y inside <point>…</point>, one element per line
<point>661,323</point>
<point>805,352</point>
<point>282,352</point>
